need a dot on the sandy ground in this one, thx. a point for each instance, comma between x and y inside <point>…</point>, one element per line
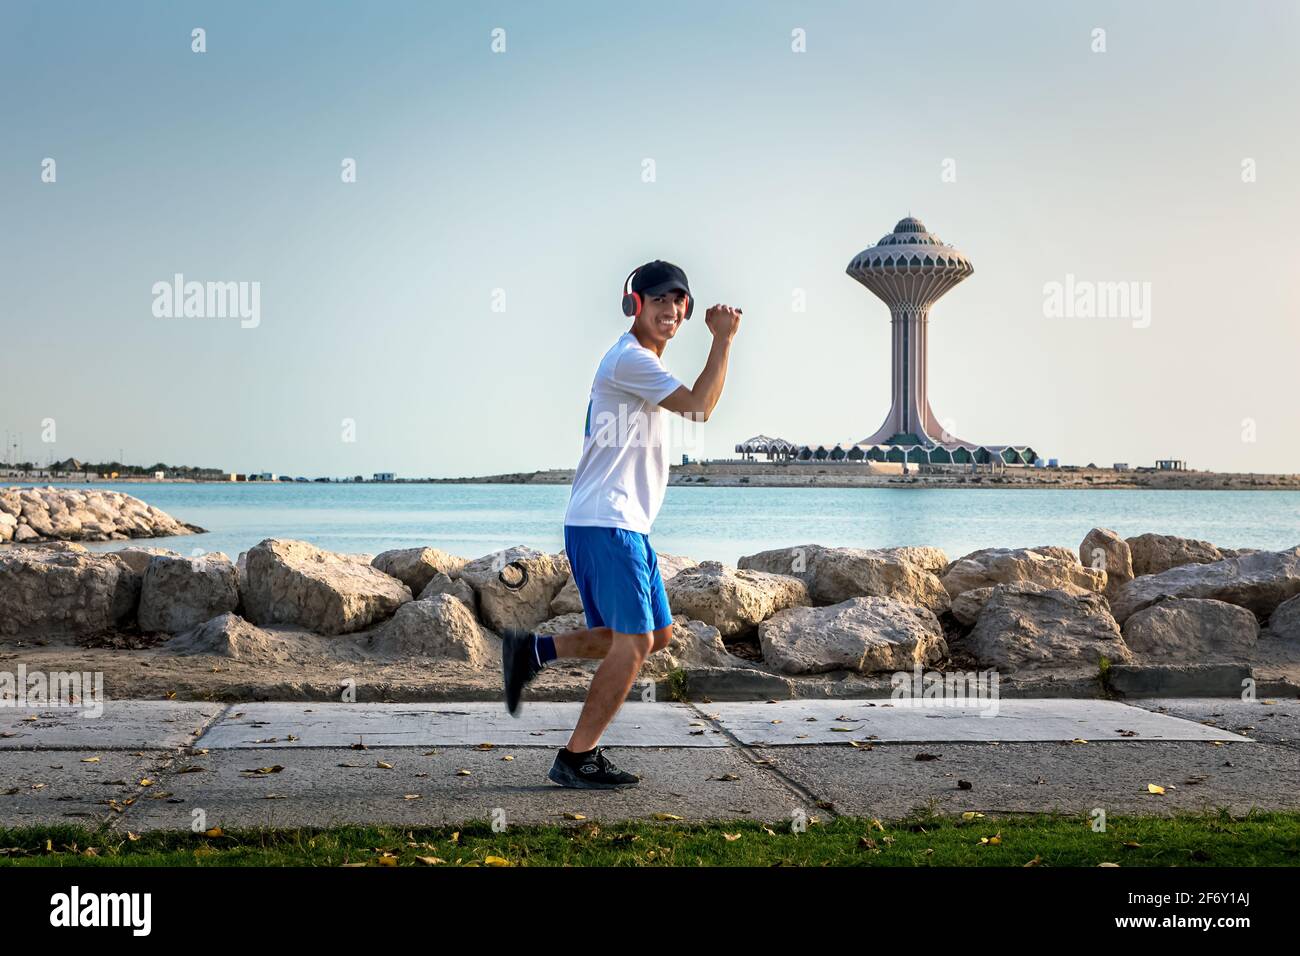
<point>301,666</point>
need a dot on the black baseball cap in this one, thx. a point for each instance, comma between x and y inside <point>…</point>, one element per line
<point>655,278</point>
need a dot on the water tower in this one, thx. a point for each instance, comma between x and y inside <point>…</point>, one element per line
<point>909,270</point>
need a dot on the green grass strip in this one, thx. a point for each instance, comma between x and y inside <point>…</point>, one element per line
<point>1213,839</point>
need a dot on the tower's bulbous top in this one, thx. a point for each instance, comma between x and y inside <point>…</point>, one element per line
<point>910,250</point>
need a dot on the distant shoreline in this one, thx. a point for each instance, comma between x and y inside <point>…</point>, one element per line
<point>835,475</point>
<point>823,475</point>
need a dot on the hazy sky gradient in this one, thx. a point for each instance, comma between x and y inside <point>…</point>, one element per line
<point>522,171</point>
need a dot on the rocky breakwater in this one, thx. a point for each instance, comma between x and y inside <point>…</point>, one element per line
<point>287,608</point>
<point>806,619</point>
<point>34,515</point>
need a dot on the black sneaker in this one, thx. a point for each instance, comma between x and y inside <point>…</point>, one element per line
<point>594,772</point>
<point>518,665</point>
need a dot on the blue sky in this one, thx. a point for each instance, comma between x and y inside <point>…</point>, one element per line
<point>522,171</point>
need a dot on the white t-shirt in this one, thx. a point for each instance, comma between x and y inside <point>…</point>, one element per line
<point>623,472</point>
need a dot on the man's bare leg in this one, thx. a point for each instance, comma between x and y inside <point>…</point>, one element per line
<point>593,643</point>
<point>614,678</point>
<point>590,643</point>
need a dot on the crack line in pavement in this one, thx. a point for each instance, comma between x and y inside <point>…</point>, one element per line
<point>167,759</point>
<point>204,728</point>
<point>767,763</point>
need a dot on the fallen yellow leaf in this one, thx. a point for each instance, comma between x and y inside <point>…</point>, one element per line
<point>1153,788</point>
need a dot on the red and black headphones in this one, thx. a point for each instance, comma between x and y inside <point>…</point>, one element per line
<point>632,301</point>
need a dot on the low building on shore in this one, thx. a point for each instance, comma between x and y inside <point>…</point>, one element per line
<point>773,449</point>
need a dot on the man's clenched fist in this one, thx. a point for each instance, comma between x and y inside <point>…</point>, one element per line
<point>723,321</point>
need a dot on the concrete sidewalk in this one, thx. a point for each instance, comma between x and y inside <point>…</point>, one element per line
<point>415,764</point>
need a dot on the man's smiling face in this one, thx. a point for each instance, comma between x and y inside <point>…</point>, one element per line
<point>661,316</point>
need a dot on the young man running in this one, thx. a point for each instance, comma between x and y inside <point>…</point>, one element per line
<point>617,490</point>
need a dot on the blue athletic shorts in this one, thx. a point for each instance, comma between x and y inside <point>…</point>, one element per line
<point>617,575</point>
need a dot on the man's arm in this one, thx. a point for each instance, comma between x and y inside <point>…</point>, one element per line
<point>697,403</point>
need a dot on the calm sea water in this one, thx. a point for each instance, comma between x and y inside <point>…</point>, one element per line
<point>707,523</point>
